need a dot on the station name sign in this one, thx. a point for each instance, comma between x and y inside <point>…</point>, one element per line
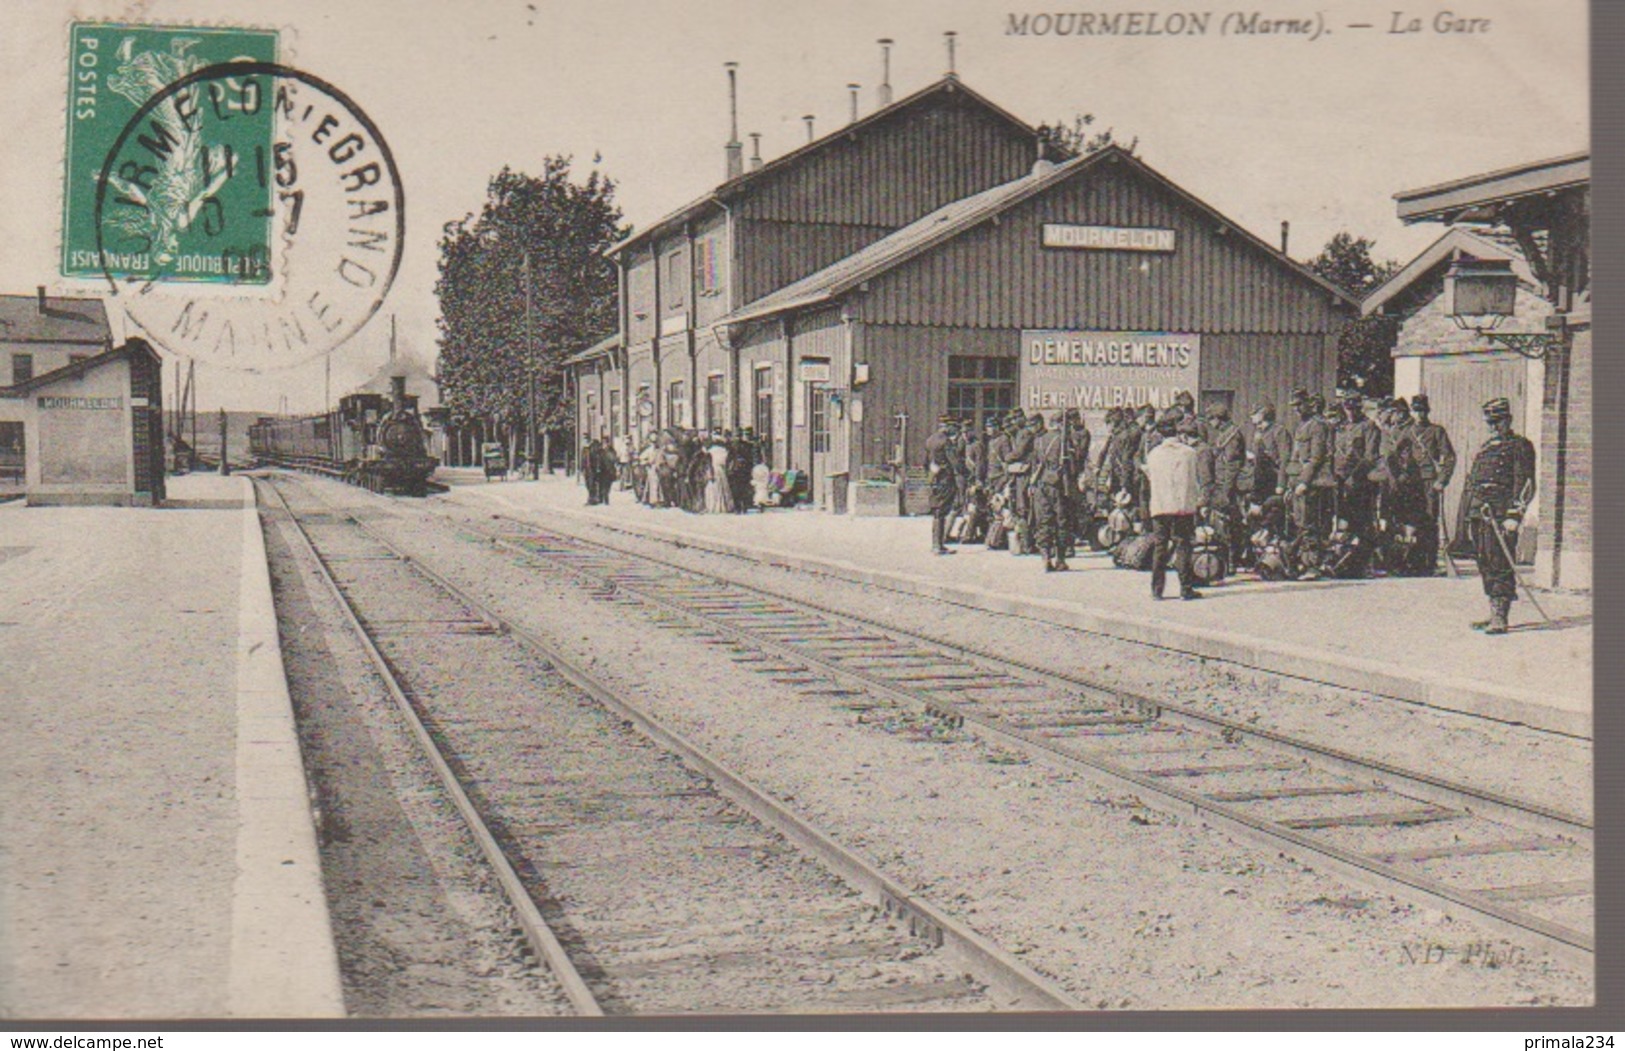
<point>55,401</point>
<point>1109,238</point>
<point>1096,371</point>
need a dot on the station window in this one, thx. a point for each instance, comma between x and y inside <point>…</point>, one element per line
<point>22,368</point>
<point>677,404</point>
<point>705,266</point>
<point>716,401</point>
<point>981,387</point>
<point>676,289</point>
<point>818,411</point>
<point>762,398</point>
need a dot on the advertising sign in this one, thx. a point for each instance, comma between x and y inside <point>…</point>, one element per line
<point>1096,371</point>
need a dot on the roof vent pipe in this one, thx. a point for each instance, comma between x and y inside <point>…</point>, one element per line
<point>41,299</point>
<point>1286,228</point>
<point>809,119</point>
<point>949,36</point>
<point>735,151</point>
<point>755,150</point>
<point>853,88</point>
<point>883,93</point>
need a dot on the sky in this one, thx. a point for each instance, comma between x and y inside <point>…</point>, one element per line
<point>1320,132</point>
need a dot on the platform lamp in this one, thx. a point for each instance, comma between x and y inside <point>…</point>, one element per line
<point>1482,293</point>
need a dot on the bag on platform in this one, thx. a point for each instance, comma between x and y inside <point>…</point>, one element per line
<point>1135,552</point>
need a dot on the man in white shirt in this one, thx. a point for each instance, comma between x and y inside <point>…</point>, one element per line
<point>1176,494</point>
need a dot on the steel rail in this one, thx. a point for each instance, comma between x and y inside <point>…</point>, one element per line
<point>1575,946</point>
<point>1021,984</point>
<point>537,932</point>
<point>1467,797</point>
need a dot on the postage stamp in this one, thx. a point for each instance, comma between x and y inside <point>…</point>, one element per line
<point>191,194</point>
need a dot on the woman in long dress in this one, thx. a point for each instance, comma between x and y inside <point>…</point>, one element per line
<point>718,498</point>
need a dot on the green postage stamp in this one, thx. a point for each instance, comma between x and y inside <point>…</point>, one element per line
<point>190,172</point>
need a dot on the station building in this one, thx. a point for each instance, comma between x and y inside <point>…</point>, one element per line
<point>930,259</point>
<point>81,421</point>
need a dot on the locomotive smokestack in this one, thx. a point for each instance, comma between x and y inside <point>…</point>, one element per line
<point>397,391</point>
<point>735,150</point>
<point>883,93</point>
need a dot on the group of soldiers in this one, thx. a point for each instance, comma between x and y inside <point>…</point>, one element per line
<point>1338,491</point>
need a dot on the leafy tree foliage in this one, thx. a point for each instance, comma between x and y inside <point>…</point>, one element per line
<point>566,225</point>
<point>1064,140</point>
<point>1365,347</point>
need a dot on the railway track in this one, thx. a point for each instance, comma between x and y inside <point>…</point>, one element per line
<point>1516,866</point>
<point>650,879</point>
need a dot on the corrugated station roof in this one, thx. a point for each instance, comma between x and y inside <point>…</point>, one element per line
<point>1450,201</point>
<point>64,320</point>
<point>1477,244</point>
<point>953,219</point>
<point>740,183</point>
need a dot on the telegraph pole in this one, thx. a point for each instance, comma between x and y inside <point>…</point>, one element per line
<point>530,374</point>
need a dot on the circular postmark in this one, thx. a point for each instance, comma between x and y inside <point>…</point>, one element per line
<point>251,215</point>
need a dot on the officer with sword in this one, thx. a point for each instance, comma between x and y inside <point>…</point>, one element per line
<point>1500,486</point>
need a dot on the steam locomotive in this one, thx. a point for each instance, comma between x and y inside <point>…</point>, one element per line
<point>369,440</point>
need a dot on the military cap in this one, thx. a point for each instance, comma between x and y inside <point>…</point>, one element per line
<point>1265,408</point>
<point>1218,411</point>
<point>947,419</point>
<point>1299,396</point>
<point>1352,401</point>
<point>1498,409</point>
<point>1420,403</point>
<point>1185,398</point>
<point>1188,424</point>
<point>1315,403</point>
<point>1401,405</point>
<point>1168,421</point>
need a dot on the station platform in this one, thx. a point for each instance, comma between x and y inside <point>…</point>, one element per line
<point>158,856</point>
<point>1402,638</point>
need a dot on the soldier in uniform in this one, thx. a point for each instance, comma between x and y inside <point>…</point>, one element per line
<point>1354,454</point>
<point>1269,448</point>
<point>998,449</point>
<point>1018,464</point>
<point>1229,447</point>
<point>1500,486</point>
<point>1436,460</point>
<point>1147,438</point>
<point>1076,510</point>
<point>944,470</point>
<point>1310,472</point>
<point>1400,492</point>
<point>1051,468</point>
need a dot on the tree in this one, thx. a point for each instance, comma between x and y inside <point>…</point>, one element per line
<point>1064,140</point>
<point>566,226</point>
<point>1365,346</point>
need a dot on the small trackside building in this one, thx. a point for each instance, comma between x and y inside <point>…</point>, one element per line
<point>1459,369</point>
<point>92,429</point>
<point>1091,283</point>
<point>1545,206</point>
